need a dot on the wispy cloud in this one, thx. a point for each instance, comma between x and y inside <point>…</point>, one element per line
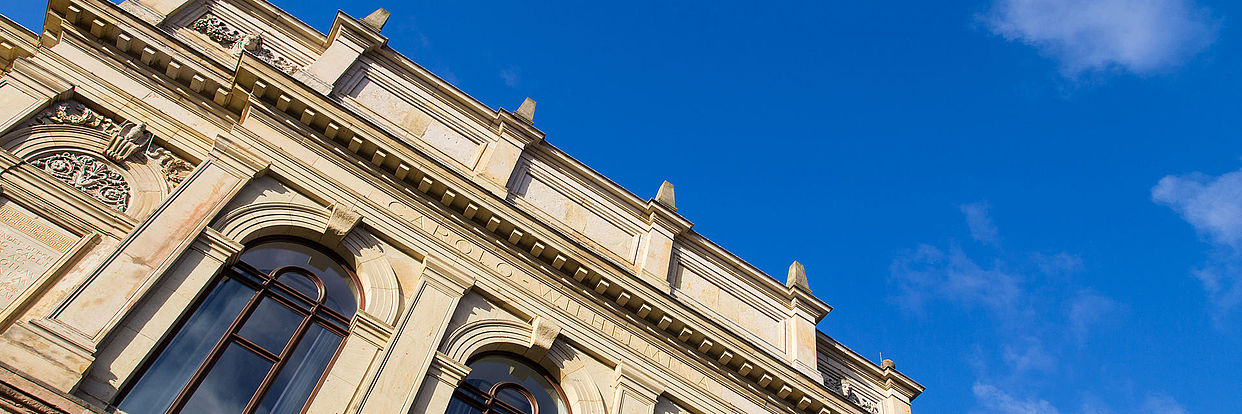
<point>1213,206</point>
<point>1162,404</point>
<point>993,400</point>
<point>981,227</point>
<point>1087,310</point>
<point>1137,36</point>
<point>927,273</point>
<point>1039,315</point>
<point>511,76</point>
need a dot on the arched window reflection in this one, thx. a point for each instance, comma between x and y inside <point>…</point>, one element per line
<point>500,384</point>
<point>259,342</point>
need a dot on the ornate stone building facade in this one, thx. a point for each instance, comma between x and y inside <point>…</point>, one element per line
<point>209,206</point>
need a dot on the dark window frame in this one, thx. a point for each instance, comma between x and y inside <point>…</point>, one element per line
<point>312,310</point>
<point>464,390</point>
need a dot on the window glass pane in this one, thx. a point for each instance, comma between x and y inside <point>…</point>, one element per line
<point>493,369</point>
<point>338,290</point>
<point>515,398</point>
<point>300,283</point>
<point>271,325</point>
<point>458,407</point>
<point>298,378</point>
<point>230,384</point>
<point>170,372</point>
<point>268,256</point>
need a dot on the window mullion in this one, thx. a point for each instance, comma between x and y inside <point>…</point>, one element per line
<point>280,363</point>
<point>205,367</point>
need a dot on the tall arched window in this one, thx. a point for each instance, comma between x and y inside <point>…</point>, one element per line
<point>500,384</point>
<point>259,342</point>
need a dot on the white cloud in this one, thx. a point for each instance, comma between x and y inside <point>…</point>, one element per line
<point>1160,404</point>
<point>1087,310</point>
<point>993,400</point>
<point>981,227</point>
<point>1139,36</point>
<point>1213,206</point>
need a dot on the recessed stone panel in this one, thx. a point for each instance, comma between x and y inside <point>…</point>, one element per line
<point>29,246</point>
<point>414,122</point>
<point>697,286</point>
<point>577,217</point>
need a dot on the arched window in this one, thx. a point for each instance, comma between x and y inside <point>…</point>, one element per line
<point>500,384</point>
<point>259,342</point>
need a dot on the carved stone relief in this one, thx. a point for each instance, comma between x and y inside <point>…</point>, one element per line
<point>236,41</point>
<point>126,138</point>
<point>846,388</point>
<point>89,175</point>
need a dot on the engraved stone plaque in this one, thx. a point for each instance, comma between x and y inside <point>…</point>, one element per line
<point>29,246</point>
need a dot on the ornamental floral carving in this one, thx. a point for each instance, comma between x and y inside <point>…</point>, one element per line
<point>126,139</point>
<point>88,174</point>
<point>217,30</point>
<point>237,41</point>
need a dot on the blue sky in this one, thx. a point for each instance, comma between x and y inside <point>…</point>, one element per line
<point>1031,206</point>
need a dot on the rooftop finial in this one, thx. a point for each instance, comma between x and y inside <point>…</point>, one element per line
<point>797,277</point>
<point>376,19</point>
<point>665,196</point>
<point>527,111</point>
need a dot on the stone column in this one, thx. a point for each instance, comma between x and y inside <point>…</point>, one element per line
<point>442,379</point>
<point>413,347</point>
<point>636,393</point>
<point>69,335</point>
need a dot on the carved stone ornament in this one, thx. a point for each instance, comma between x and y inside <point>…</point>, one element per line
<point>89,175</point>
<point>237,41</point>
<point>126,138</point>
<point>843,387</point>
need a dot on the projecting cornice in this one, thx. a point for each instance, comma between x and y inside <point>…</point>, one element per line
<point>15,42</point>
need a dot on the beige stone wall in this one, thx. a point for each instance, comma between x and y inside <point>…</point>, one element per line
<point>229,120</point>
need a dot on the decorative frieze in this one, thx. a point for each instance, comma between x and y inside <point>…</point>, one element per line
<point>236,41</point>
<point>125,139</point>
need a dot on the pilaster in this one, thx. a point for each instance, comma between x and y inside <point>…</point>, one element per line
<point>404,367</point>
<point>901,389</point>
<point>500,157</point>
<point>347,40</point>
<point>655,254</point>
<point>805,310</point>
<point>636,392</point>
<point>443,377</point>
